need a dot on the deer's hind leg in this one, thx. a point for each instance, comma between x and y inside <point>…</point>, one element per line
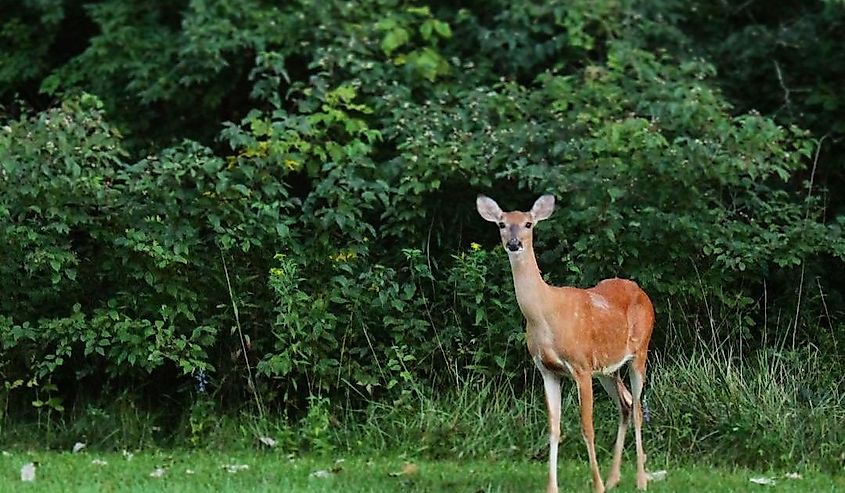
<point>637,376</point>
<point>620,396</point>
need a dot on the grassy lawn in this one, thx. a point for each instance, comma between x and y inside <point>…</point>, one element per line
<point>270,471</point>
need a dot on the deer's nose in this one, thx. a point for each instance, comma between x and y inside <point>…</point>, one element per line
<point>513,244</point>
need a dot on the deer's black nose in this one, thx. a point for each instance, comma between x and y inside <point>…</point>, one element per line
<point>514,245</point>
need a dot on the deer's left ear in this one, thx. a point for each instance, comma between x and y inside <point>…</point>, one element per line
<point>543,207</point>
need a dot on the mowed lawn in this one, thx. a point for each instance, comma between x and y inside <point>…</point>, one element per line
<point>199,471</point>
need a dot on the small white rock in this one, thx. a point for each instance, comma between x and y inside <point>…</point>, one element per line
<point>158,472</point>
<point>656,475</point>
<point>77,447</point>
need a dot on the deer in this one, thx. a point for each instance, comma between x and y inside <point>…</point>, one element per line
<point>579,333</point>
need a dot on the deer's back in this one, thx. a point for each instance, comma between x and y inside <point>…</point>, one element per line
<point>629,298</point>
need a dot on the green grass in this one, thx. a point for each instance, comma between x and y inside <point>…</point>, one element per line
<point>274,471</point>
<point>716,423</point>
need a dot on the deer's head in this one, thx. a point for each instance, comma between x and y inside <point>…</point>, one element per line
<point>515,227</point>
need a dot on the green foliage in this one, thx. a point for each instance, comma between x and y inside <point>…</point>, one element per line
<point>370,326</point>
<point>425,61</point>
<point>28,31</point>
<point>784,62</point>
<point>106,252</point>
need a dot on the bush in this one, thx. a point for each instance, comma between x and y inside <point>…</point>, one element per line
<point>107,253</point>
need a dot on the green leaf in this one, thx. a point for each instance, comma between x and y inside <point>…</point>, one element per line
<point>394,39</point>
<point>421,11</point>
<point>442,29</point>
<point>426,29</point>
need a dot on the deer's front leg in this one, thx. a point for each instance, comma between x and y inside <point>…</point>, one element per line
<point>585,395</point>
<point>551,384</point>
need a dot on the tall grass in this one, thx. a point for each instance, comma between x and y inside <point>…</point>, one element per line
<point>777,407</point>
<point>479,417</point>
<point>770,408</point>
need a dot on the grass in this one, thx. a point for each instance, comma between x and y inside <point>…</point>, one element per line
<point>201,471</point>
<point>783,410</point>
<point>716,422</point>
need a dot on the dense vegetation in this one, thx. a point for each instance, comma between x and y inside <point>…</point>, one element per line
<point>244,206</point>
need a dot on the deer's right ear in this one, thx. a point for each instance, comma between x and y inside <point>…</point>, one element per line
<point>488,208</point>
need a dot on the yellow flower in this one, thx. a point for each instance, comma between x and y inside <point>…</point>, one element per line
<point>475,246</point>
<point>343,256</point>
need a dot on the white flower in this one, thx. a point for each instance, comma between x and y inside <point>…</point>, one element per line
<point>268,441</point>
<point>763,481</point>
<point>28,472</point>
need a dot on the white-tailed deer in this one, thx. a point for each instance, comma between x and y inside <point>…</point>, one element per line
<point>581,333</point>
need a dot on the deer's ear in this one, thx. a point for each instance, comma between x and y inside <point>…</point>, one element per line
<point>543,207</point>
<point>488,208</point>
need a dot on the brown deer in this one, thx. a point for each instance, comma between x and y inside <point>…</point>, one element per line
<point>579,333</point>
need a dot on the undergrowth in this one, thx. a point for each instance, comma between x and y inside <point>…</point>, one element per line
<point>775,407</point>
<point>781,409</point>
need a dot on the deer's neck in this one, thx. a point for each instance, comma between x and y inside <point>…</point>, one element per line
<point>529,285</point>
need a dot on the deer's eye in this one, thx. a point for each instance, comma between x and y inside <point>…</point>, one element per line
<point>501,225</point>
<point>528,224</point>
